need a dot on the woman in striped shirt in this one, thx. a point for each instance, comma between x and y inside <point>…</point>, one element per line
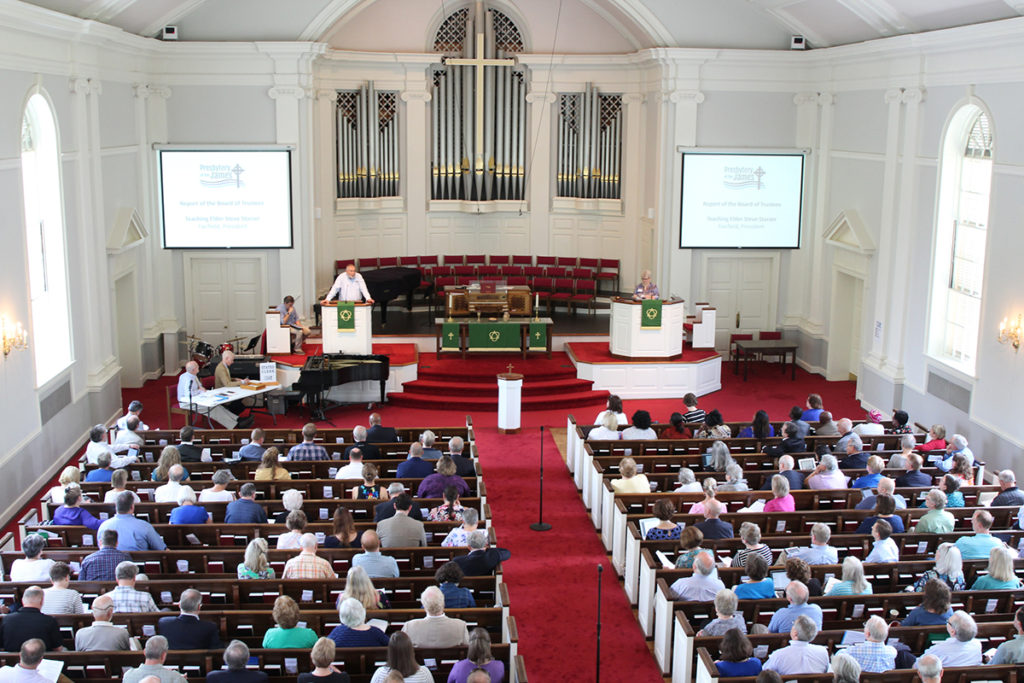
<point>59,599</point>
<point>750,534</point>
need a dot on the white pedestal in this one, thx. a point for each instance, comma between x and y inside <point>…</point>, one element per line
<point>510,392</point>
<point>279,337</point>
<point>704,328</point>
<point>357,341</point>
<point>629,340</point>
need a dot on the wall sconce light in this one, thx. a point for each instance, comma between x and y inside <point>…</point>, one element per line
<point>12,335</point>
<point>1011,333</point>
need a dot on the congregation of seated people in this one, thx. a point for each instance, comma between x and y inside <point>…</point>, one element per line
<point>32,627</point>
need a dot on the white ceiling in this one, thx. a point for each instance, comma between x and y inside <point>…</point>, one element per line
<point>762,24</point>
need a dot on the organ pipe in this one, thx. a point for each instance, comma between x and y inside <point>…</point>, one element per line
<point>589,145</point>
<point>367,138</point>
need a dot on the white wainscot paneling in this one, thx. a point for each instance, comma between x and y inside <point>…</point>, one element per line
<point>588,236</point>
<point>370,235</point>
<point>654,380</point>
<point>477,234</point>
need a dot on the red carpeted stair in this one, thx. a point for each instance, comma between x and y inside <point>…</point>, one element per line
<point>471,384</point>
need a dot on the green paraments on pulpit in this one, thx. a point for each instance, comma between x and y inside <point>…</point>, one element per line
<point>450,336</point>
<point>494,336</point>
<point>650,314</point>
<point>346,316</point>
<point>538,336</point>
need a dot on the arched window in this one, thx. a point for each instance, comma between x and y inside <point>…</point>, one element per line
<point>958,268</point>
<point>44,239</point>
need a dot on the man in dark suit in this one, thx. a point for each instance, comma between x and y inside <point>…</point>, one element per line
<point>186,631</point>
<point>856,458</point>
<point>464,467</point>
<point>236,656</point>
<point>29,622</point>
<point>415,467</point>
<point>712,526</point>
<point>914,475</point>
<point>481,560</point>
<point>386,509</point>
<point>795,479</point>
<point>188,452</point>
<point>378,434</point>
<point>368,450</point>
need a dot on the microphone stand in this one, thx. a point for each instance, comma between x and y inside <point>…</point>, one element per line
<point>541,525</point>
<point>600,572</point>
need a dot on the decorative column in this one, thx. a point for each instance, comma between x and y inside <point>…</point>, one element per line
<point>538,170</point>
<point>633,181</point>
<point>416,171</point>
<point>799,267</point>
<point>325,193</point>
<point>816,305</point>
<point>680,108</point>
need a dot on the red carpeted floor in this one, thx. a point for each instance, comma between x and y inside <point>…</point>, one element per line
<point>552,576</point>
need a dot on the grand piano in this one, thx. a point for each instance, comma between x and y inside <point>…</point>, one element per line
<point>321,373</point>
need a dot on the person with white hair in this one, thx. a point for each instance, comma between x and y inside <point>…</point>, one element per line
<point>189,387</point>
<point>1000,575</point>
<point>187,511</point>
<point>712,526</point>
<point>795,479</point>
<point>845,427</point>
<point>1009,494</point>
<point>853,582</point>
<point>481,560</point>
<point>798,595</point>
<point>750,534</point>
<point>153,667</point>
<point>428,439</point>
<point>845,669</point>
<point>646,289</point>
<point>218,493</point>
<point>819,552</point>
<point>782,500</point>
<point>734,480</point>
<point>726,603</point>
<point>630,480</point>
<point>464,466</point>
<point>236,657</point>
<point>701,586</point>
<point>949,569</point>
<point>826,475</point>
<point>687,482</point>
<point>719,457</point>
<point>33,567</point>
<point>956,446</point>
<point>962,648</point>
<point>436,629</point>
<point>307,565</point>
<point>898,461</point>
<point>929,668</point>
<point>799,657</point>
<point>291,500</point>
<point>353,631</point>
<point>873,654</point>
<point>856,457</point>
<point>459,536</point>
<point>936,520</point>
<point>887,487</point>
<point>606,430</point>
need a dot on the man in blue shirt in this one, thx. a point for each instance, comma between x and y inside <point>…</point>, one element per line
<point>104,472</point>
<point>290,317</point>
<point>978,546</point>
<point>797,594</point>
<point>819,552</point>
<point>102,564</point>
<point>132,533</point>
<point>254,449</point>
<point>957,446</point>
<point>874,475</point>
<point>245,510</point>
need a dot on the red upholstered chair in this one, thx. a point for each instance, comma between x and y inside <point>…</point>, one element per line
<point>556,271</point>
<point>427,260</point>
<point>409,261</point>
<point>387,261</point>
<point>499,260</point>
<point>566,261</point>
<point>466,272</point>
<point>586,293</point>
<point>367,262</point>
<point>763,336</point>
<point>563,292</point>
<point>609,271</point>
<point>533,271</point>
<point>476,259</point>
<point>733,338</point>
<point>341,264</point>
<point>546,261</point>
<point>591,263</point>
<point>441,271</point>
<point>518,280</point>
<point>454,259</point>
<point>487,270</point>
<point>510,271</point>
<point>542,287</point>
<point>522,260</point>
<point>582,274</point>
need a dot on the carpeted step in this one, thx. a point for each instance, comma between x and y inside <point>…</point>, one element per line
<point>531,387</point>
<point>454,401</point>
<point>487,375</point>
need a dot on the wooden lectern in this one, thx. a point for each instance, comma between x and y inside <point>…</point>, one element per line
<point>357,341</point>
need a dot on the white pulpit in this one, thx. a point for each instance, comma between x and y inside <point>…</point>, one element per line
<point>279,337</point>
<point>510,392</point>
<point>357,341</point>
<point>630,340</point>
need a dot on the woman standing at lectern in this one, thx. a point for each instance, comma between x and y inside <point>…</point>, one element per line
<point>646,289</point>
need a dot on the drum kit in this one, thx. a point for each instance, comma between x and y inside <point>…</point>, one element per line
<point>206,354</point>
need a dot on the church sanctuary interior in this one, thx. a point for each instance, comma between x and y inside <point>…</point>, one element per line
<point>765,242</point>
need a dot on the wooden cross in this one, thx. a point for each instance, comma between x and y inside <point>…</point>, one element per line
<point>510,368</point>
<point>479,62</point>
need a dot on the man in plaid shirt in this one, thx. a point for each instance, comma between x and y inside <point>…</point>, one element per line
<point>124,595</point>
<point>307,450</point>
<point>102,564</point>
<point>873,654</point>
<point>306,565</point>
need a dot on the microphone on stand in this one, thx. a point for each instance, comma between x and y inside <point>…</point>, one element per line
<point>541,525</point>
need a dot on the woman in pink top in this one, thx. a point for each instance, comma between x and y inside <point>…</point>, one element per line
<point>826,475</point>
<point>783,500</point>
<point>710,489</point>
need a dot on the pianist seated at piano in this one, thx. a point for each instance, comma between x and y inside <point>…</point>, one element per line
<point>349,286</point>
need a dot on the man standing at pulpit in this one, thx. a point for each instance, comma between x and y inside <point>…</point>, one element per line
<point>290,317</point>
<point>646,289</point>
<point>349,286</point>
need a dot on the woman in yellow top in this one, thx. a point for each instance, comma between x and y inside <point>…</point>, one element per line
<point>270,469</point>
<point>631,482</point>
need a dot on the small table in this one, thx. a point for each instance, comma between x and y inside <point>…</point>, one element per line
<point>218,397</point>
<point>768,347</point>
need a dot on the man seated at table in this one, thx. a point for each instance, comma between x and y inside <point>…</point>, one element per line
<point>222,378</point>
<point>189,388</point>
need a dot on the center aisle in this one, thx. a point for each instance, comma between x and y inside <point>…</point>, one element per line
<point>552,576</point>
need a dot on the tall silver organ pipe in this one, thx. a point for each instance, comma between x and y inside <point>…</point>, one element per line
<point>589,145</point>
<point>367,132</point>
